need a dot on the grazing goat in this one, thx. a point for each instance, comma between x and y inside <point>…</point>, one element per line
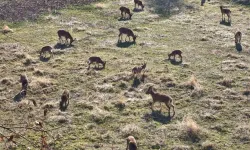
<point>139,3</point>
<point>97,60</point>
<point>24,81</point>
<point>238,36</point>
<point>128,32</point>
<point>46,49</point>
<point>66,34</point>
<point>157,97</point>
<point>126,11</point>
<point>175,52</point>
<point>225,12</point>
<point>137,70</point>
<point>131,143</point>
<point>64,100</point>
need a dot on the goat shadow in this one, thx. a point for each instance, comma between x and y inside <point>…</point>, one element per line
<point>156,115</point>
<point>137,10</point>
<point>18,97</point>
<point>136,82</point>
<point>174,62</point>
<point>96,68</point>
<point>238,47</point>
<point>62,46</point>
<point>225,23</point>
<point>124,44</point>
<point>123,19</point>
<point>63,106</point>
<point>45,59</point>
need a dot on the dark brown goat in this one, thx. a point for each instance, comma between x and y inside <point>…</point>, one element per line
<point>157,97</point>
<point>128,32</point>
<point>203,2</point>
<point>137,70</point>
<point>131,143</point>
<point>63,33</point>
<point>139,3</point>
<point>46,49</point>
<point>238,36</point>
<point>175,52</point>
<point>126,11</point>
<point>24,81</point>
<point>224,12</point>
<point>97,60</point>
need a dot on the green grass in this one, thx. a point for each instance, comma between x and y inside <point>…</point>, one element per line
<point>93,117</point>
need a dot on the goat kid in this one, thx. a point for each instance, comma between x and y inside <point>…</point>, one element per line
<point>137,70</point>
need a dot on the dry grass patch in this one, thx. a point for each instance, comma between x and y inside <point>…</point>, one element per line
<point>226,83</point>
<point>100,5</point>
<point>190,129</point>
<point>130,129</point>
<point>207,145</point>
<point>100,116</point>
<point>242,133</point>
<point>192,83</point>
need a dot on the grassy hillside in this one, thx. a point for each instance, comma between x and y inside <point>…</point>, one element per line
<point>208,86</point>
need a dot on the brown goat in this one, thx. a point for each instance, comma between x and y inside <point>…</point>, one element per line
<point>126,11</point>
<point>175,52</point>
<point>64,100</point>
<point>238,36</point>
<point>24,81</point>
<point>224,12</point>
<point>139,3</point>
<point>131,143</point>
<point>157,97</point>
<point>63,33</point>
<point>128,32</point>
<point>46,49</point>
<point>137,70</point>
<point>97,60</point>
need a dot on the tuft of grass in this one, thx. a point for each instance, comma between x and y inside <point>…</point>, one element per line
<point>100,116</point>
<point>130,129</point>
<point>242,133</point>
<point>180,147</point>
<point>207,145</point>
<point>226,82</point>
<point>192,83</point>
<point>190,129</point>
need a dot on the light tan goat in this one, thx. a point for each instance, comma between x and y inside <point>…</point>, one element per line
<point>131,143</point>
<point>224,12</point>
<point>238,36</point>
<point>157,97</point>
